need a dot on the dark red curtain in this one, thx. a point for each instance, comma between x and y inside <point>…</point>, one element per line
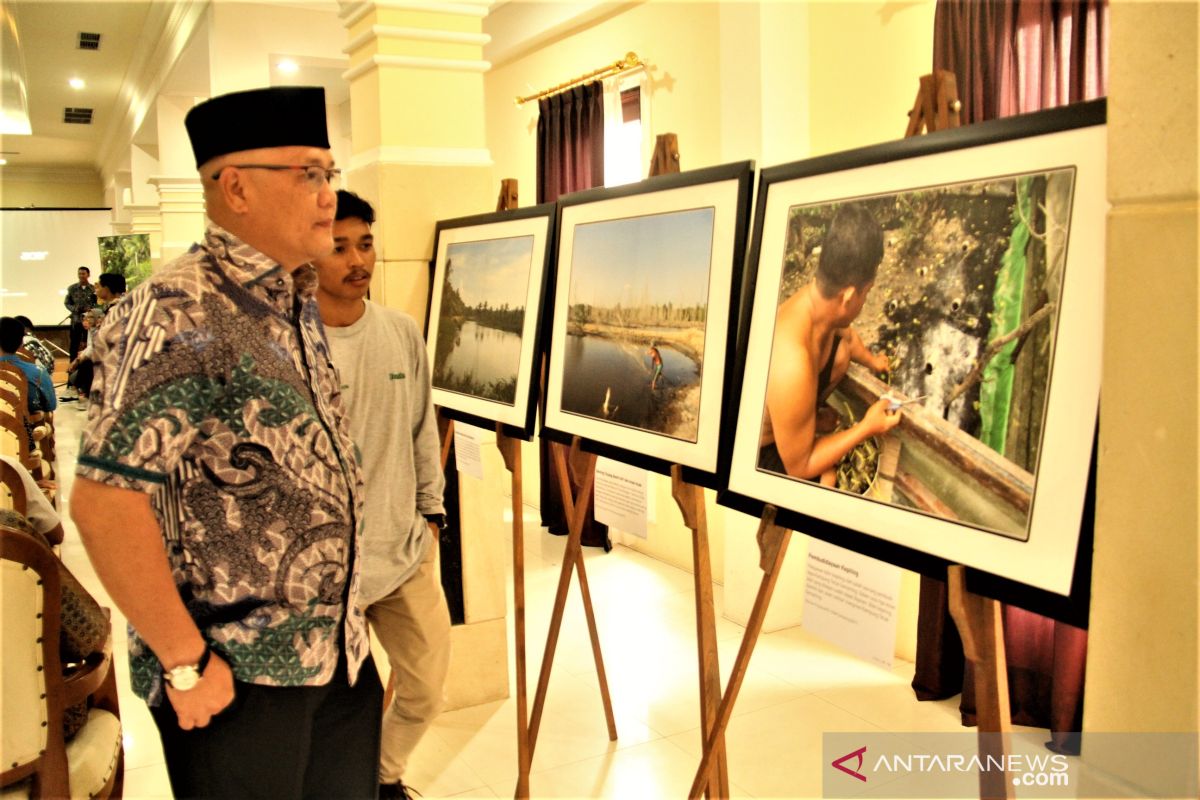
<point>1014,57</point>
<point>570,141</point>
<point>570,158</point>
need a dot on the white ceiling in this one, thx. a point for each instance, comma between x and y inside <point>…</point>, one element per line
<point>48,32</point>
<point>135,33</point>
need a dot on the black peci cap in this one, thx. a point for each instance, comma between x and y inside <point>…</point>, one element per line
<point>281,116</point>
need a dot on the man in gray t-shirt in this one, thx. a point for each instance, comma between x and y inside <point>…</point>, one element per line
<point>380,355</point>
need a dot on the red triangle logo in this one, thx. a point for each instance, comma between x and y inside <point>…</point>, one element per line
<point>839,764</point>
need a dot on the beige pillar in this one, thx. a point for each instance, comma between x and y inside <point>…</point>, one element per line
<point>419,150</point>
<point>181,205</point>
<point>147,219</point>
<point>1143,646</point>
<point>419,154</point>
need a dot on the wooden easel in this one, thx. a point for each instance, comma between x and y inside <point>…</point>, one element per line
<point>510,451</point>
<point>576,473</point>
<point>937,105</point>
<point>978,619</point>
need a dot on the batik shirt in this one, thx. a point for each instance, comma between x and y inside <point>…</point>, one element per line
<point>40,352</point>
<point>214,394</point>
<point>80,298</point>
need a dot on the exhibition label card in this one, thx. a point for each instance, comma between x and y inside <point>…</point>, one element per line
<point>851,600</point>
<point>467,452</point>
<point>621,496</point>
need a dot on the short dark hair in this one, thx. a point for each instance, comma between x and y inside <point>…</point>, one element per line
<point>26,322</point>
<point>351,206</point>
<point>12,333</point>
<point>85,269</point>
<point>113,281</point>
<point>851,252</point>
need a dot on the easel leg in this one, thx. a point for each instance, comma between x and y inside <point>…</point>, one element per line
<point>773,542</point>
<point>706,640</point>
<point>597,656</point>
<point>510,449</point>
<point>572,560</point>
<point>981,627</point>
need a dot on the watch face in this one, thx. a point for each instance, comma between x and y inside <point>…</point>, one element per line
<point>183,678</point>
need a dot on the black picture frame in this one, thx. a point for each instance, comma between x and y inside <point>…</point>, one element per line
<point>727,190</point>
<point>517,418</point>
<point>842,176</point>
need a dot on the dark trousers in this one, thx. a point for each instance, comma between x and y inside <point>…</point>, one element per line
<point>81,378</point>
<point>281,742</point>
<point>78,333</point>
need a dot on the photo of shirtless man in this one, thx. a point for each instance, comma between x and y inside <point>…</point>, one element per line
<point>813,345</point>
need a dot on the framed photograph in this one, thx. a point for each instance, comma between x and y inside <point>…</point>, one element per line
<point>645,316</point>
<point>485,315</point>
<point>920,361</point>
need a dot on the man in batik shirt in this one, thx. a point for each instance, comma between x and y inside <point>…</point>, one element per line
<point>218,493</point>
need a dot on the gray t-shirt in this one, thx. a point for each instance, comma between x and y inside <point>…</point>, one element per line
<point>385,387</point>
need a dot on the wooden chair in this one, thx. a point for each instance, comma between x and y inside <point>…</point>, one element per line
<point>37,762</point>
<point>13,495</point>
<point>14,399</point>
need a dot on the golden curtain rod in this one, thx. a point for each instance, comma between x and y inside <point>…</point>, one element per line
<point>630,61</point>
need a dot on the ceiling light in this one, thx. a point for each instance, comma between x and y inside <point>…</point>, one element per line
<point>3,161</point>
<point>34,255</point>
<point>77,83</point>
<point>288,67</point>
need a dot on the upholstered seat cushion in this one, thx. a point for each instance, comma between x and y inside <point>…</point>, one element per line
<point>91,758</point>
<point>93,753</point>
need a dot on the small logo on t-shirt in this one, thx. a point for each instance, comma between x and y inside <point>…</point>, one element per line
<point>395,376</point>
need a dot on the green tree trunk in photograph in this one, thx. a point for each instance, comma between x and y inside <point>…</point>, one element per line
<point>995,393</point>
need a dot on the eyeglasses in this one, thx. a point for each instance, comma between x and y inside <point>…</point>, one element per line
<point>315,177</point>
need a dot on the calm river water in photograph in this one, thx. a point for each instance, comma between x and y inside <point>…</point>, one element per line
<point>594,367</point>
<point>485,354</point>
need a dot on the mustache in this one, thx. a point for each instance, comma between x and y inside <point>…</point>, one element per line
<point>356,274</point>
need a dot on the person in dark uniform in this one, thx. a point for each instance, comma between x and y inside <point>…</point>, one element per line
<point>81,298</point>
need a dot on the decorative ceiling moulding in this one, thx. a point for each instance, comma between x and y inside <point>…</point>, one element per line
<point>351,13</point>
<point>423,157</point>
<point>417,62</point>
<point>165,34</point>
<point>415,34</point>
<point>50,174</point>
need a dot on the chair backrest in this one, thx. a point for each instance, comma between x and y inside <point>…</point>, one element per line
<point>12,376</point>
<point>34,693</point>
<point>13,496</point>
<point>29,631</point>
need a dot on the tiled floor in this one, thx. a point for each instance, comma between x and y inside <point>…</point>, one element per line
<point>797,687</point>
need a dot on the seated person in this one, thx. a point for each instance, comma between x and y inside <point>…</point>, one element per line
<point>41,388</point>
<point>36,347</point>
<point>814,344</point>
<point>41,515</point>
<point>79,371</point>
<point>109,289</point>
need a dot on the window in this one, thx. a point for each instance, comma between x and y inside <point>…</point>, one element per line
<point>627,140</point>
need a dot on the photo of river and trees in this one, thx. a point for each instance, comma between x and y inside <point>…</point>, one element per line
<point>482,316</point>
<point>965,307</point>
<point>638,309</point>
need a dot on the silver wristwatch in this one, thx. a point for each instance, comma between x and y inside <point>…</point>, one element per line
<point>186,676</point>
